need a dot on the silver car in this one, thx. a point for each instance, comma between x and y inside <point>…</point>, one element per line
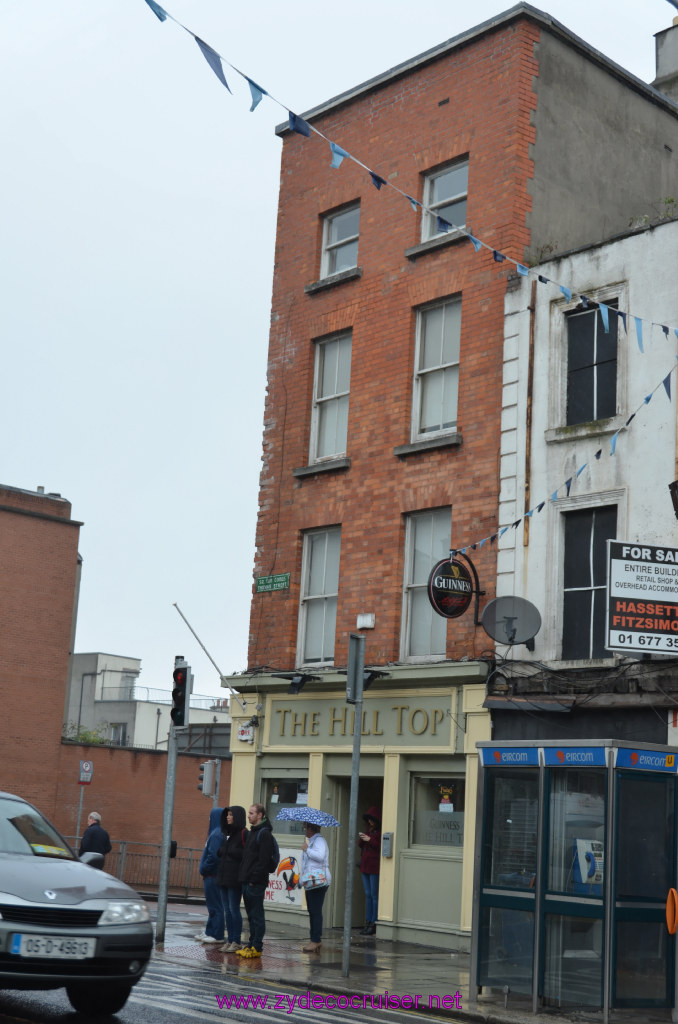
<point>63,922</point>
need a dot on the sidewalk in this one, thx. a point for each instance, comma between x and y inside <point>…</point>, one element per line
<point>376,967</point>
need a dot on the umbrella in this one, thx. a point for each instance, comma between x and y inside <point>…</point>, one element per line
<point>309,814</point>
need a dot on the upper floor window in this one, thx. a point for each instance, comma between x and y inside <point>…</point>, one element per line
<point>427,540</point>
<point>591,366</point>
<point>445,194</point>
<point>340,241</point>
<point>585,580</point>
<point>436,377</point>
<point>320,586</point>
<point>329,422</point>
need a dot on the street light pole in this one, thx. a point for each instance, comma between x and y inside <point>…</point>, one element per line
<point>354,695</point>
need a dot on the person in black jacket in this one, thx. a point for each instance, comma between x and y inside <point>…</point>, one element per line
<point>95,838</point>
<point>233,823</point>
<point>253,875</point>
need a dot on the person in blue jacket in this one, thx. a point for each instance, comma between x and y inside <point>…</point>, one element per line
<point>214,926</point>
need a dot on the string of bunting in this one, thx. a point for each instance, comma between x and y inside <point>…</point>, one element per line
<point>338,154</point>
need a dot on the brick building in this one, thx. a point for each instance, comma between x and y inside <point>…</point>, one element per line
<point>383,436</point>
<point>38,610</point>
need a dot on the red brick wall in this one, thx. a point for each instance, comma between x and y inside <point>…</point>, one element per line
<point>399,130</point>
<point>38,570</point>
<point>128,790</point>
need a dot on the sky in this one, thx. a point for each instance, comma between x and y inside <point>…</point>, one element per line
<point>138,206</point>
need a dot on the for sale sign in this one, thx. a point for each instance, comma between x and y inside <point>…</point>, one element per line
<point>642,599</point>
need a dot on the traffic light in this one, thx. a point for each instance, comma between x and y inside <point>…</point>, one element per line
<point>180,695</point>
<point>206,783</point>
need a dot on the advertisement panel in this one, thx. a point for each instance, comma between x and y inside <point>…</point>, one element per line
<point>642,598</point>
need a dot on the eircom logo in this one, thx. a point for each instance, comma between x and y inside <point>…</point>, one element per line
<point>561,756</point>
<point>634,757</point>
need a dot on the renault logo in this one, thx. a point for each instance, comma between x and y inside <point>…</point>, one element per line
<point>50,894</point>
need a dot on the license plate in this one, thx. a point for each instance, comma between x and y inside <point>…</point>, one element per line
<point>56,947</point>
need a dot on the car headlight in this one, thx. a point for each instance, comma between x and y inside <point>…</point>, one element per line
<point>125,912</point>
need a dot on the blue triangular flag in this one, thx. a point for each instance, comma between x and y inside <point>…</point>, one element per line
<point>157,10</point>
<point>554,496</point>
<point>631,417</point>
<point>477,245</point>
<point>414,203</point>
<point>522,270</point>
<point>665,330</point>
<point>667,385</point>
<point>481,542</point>
<point>442,225</point>
<point>516,524</point>
<point>529,514</point>
<point>566,292</point>
<point>568,484</point>
<point>648,399</point>
<point>453,552</point>
<point>623,319</point>
<point>493,538</point>
<point>462,551</point>
<point>213,59</point>
<point>584,301</point>
<point>599,453</point>
<point>377,180</point>
<point>581,470</point>
<point>298,125</point>
<point>675,331</point>
<point>605,313</point>
<point>540,506</point>
<point>639,332</point>
<point>257,93</point>
<point>544,280</point>
<point>338,154</point>
<point>613,443</point>
<point>498,257</point>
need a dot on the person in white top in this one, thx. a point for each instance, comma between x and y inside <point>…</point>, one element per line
<point>315,857</point>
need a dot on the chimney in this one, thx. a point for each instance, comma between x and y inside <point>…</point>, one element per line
<point>666,49</point>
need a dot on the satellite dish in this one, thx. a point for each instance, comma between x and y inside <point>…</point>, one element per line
<point>511,620</point>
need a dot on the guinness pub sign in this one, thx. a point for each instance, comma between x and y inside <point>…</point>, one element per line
<point>450,588</point>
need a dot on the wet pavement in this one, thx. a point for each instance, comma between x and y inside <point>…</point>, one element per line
<point>377,968</point>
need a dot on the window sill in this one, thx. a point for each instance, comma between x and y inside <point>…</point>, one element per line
<point>596,428</point>
<point>330,466</point>
<point>446,441</point>
<point>433,244</point>
<point>334,279</point>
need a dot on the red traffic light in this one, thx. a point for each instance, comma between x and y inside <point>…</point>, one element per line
<point>179,695</point>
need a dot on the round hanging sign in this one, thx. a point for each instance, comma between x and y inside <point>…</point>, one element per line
<point>450,588</point>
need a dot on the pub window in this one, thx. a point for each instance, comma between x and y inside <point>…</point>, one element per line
<point>281,793</point>
<point>438,811</point>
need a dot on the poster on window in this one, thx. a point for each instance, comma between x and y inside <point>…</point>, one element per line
<point>282,883</point>
<point>642,598</point>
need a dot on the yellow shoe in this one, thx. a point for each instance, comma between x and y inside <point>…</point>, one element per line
<point>251,953</point>
<point>245,951</point>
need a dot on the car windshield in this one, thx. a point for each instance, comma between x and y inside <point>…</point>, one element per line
<point>24,830</point>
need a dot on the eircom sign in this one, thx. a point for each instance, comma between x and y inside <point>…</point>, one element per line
<point>642,598</point>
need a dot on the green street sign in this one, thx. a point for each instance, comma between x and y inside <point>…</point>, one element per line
<point>265,583</point>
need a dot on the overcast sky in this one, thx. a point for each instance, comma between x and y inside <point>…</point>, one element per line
<point>137,229</point>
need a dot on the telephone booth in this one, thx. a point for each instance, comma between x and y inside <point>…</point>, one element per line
<point>575,862</point>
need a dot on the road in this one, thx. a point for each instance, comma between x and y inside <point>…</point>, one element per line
<point>174,994</point>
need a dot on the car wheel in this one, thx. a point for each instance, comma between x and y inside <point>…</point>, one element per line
<point>97,1000</point>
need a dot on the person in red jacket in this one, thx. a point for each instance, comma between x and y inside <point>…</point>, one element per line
<point>370,859</point>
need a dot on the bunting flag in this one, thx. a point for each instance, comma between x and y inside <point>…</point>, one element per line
<point>298,125</point>
<point>157,10</point>
<point>302,127</point>
<point>213,59</point>
<point>338,154</point>
<point>257,94</point>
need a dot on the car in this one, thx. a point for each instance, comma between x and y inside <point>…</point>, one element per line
<point>64,922</point>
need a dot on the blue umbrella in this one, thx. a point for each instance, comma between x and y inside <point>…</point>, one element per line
<point>309,814</point>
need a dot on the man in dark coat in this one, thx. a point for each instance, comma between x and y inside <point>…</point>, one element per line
<point>95,838</point>
<point>253,874</point>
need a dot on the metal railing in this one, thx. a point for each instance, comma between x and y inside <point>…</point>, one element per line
<point>138,864</point>
<point>155,696</point>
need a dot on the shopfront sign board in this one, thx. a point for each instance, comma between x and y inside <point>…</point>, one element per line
<point>642,598</point>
